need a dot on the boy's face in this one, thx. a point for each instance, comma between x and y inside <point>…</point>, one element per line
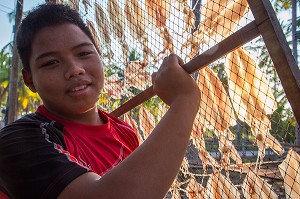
<point>66,70</point>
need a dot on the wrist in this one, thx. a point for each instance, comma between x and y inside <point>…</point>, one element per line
<point>190,101</point>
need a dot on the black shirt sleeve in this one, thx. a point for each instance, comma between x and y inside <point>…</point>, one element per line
<point>33,161</point>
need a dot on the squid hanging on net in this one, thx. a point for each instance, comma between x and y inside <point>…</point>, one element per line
<point>162,109</point>
<point>218,113</point>
<point>215,106</point>
<point>252,99</point>
<point>184,167</point>
<point>189,17</point>
<point>104,29</point>
<point>254,187</point>
<point>136,75</point>
<point>158,11</point>
<point>86,4</point>
<point>74,4</point>
<point>129,120</point>
<point>117,21</point>
<point>264,139</point>
<point>135,18</point>
<point>290,172</point>
<point>228,151</point>
<point>219,186</point>
<point>199,143</point>
<point>193,41</point>
<point>194,189</point>
<point>95,36</point>
<point>147,122</point>
<point>114,87</point>
<point>168,45</point>
<point>227,20</point>
<point>175,187</point>
<point>219,19</point>
<point>209,11</point>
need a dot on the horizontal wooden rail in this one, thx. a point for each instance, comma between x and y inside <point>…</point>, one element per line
<point>232,42</point>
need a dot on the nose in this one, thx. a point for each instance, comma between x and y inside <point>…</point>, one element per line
<point>74,69</point>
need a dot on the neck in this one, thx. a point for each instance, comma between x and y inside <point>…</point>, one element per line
<point>90,117</point>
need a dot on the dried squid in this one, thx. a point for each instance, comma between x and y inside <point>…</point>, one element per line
<point>219,19</point>
<point>129,120</point>
<point>117,21</point>
<point>147,121</point>
<point>252,98</point>
<point>228,19</point>
<point>158,11</point>
<point>74,4</point>
<point>136,23</point>
<point>136,75</point>
<point>86,4</point>
<point>114,87</point>
<point>95,36</point>
<point>290,171</point>
<point>256,188</point>
<point>199,143</point>
<point>215,106</point>
<point>220,187</point>
<point>218,113</point>
<point>104,29</point>
<point>189,16</point>
<point>194,189</point>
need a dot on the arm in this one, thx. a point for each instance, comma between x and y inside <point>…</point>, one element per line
<point>150,170</point>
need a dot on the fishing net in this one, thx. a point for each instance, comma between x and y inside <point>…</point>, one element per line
<point>243,138</point>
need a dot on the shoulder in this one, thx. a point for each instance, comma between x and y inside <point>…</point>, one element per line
<point>29,147</point>
<point>32,125</point>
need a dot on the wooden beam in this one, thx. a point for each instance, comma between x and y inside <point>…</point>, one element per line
<point>279,50</point>
<point>232,42</point>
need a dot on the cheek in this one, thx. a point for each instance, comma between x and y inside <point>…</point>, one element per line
<point>47,83</point>
<point>102,78</point>
<point>100,75</point>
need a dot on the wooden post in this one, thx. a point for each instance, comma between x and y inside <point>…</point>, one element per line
<point>295,53</point>
<point>279,50</point>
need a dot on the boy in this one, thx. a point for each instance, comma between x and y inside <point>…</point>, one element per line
<point>65,148</point>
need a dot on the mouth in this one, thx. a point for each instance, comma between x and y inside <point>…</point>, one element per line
<point>78,88</point>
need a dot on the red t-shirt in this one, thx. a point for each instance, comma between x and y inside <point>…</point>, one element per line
<point>97,147</point>
<point>40,154</point>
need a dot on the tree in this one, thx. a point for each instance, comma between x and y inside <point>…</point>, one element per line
<point>13,78</point>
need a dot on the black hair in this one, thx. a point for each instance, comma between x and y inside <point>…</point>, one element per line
<point>42,16</point>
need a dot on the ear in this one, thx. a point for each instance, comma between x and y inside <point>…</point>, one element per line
<point>27,78</point>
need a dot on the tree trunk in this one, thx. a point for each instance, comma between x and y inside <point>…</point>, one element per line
<point>13,79</point>
<point>295,53</point>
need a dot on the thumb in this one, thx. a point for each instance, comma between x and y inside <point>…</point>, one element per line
<point>153,77</point>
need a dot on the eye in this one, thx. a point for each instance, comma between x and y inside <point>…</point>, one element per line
<point>51,62</point>
<point>84,53</point>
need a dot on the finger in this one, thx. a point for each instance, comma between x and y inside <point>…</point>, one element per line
<point>165,61</point>
<point>153,77</point>
<point>180,61</point>
<point>174,59</point>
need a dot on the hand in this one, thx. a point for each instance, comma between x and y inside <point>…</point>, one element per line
<point>171,81</point>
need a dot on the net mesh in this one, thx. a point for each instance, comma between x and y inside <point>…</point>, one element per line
<point>242,143</point>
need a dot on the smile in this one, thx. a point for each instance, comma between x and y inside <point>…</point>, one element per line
<point>78,88</point>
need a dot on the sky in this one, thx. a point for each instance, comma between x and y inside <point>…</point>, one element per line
<point>7,6</point>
